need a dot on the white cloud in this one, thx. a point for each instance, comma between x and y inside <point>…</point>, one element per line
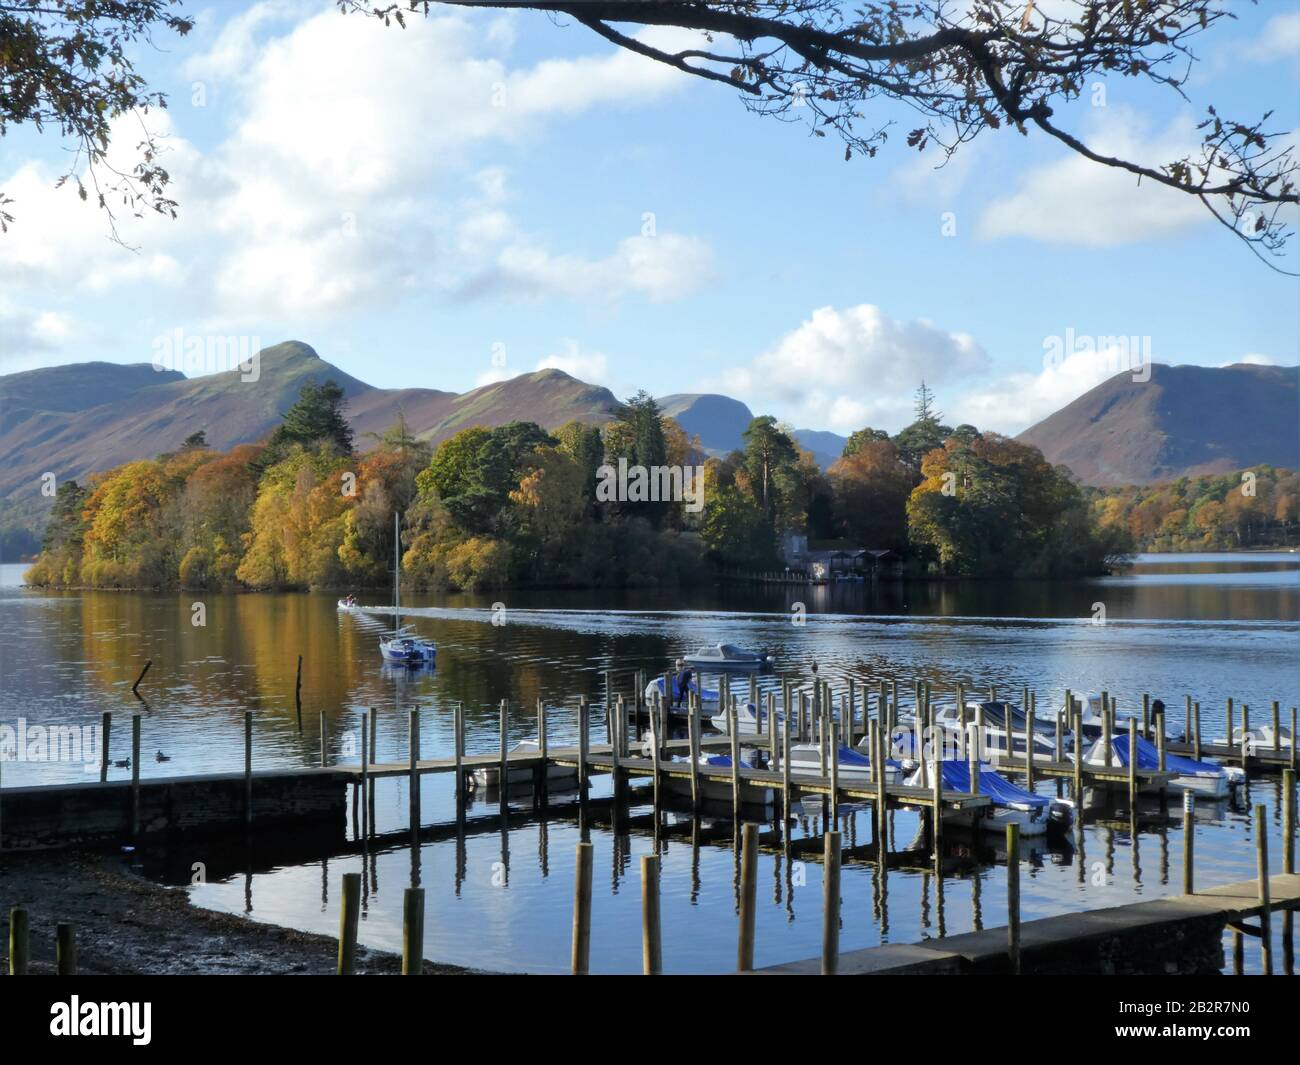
<point>1019,400</point>
<point>348,178</point>
<point>1076,201</point>
<point>1280,39</point>
<point>843,369</point>
<point>1252,359</point>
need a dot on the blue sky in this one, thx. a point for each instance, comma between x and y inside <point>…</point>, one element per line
<point>488,192</point>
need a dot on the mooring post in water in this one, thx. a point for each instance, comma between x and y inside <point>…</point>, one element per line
<point>1231,719</point>
<point>135,688</point>
<point>1288,861</point>
<point>1196,731</point>
<point>835,772</point>
<point>1133,765</point>
<point>1146,715</point>
<point>248,767</point>
<point>831,904</point>
<point>693,733</point>
<point>1277,738</point>
<point>297,693</point>
<point>581,959</point>
<point>19,942</point>
<point>853,712</point>
<point>503,770</point>
<point>1106,729</point>
<point>1189,843</point>
<point>365,773</point>
<point>459,729</point>
<point>349,915</point>
<point>65,949</point>
<point>748,896</point>
<point>786,725</point>
<point>1161,760</point>
<point>1295,739</point>
<point>733,725</point>
<point>413,747</point>
<point>652,961</point>
<point>1265,917</point>
<point>584,744</point>
<point>1013,897</point>
<point>105,730</point>
<point>1029,742</point>
<point>413,931</point>
<point>771,728</point>
<point>937,811</point>
<point>135,774</point>
<point>1058,752</point>
<point>655,746</point>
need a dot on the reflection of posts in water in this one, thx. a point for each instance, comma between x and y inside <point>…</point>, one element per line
<point>461,857</point>
<point>540,778</point>
<point>458,729</point>
<point>695,859</point>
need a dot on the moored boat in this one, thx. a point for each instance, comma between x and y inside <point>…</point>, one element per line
<point>1011,804</point>
<point>725,657</point>
<point>1201,778</point>
<point>489,776</point>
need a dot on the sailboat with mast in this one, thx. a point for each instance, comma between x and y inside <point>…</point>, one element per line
<point>402,646</point>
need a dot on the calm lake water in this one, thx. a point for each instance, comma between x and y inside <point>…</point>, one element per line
<point>499,896</point>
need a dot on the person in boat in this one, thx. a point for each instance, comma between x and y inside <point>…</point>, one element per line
<point>352,599</point>
<point>682,683</point>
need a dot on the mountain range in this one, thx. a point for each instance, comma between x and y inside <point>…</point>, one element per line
<point>76,419</point>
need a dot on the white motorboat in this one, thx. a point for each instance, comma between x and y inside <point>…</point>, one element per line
<point>1259,739</point>
<point>750,721</point>
<point>725,657</point>
<point>1201,778</point>
<point>489,776</point>
<point>854,765</point>
<point>655,690</point>
<point>719,788</point>
<point>1035,814</point>
<point>994,740</point>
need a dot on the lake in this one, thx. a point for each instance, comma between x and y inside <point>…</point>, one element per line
<point>499,897</point>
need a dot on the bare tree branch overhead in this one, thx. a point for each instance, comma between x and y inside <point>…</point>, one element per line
<point>68,65</point>
<point>963,67</point>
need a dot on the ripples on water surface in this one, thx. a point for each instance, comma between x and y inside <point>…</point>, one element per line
<point>1208,626</point>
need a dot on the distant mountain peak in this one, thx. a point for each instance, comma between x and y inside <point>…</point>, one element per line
<point>1181,421</point>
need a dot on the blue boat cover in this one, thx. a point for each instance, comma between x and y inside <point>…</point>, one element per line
<point>956,777</point>
<point>1149,758</point>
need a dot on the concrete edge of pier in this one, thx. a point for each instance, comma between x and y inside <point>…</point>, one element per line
<point>1180,933</point>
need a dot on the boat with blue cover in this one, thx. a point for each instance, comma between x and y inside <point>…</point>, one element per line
<point>1202,778</point>
<point>720,788</point>
<point>1012,804</point>
<point>995,715</point>
<point>854,765</point>
<point>655,690</point>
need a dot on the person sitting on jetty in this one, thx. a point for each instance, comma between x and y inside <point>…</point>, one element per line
<point>682,683</point>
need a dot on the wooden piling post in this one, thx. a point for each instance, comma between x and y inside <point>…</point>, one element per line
<point>349,916</point>
<point>1013,897</point>
<point>1161,743</point>
<point>1132,766</point>
<point>1288,820</point>
<point>105,730</point>
<point>581,956</point>
<point>937,811</point>
<point>1106,729</point>
<point>748,896</point>
<point>771,728</point>
<point>459,729</point>
<point>413,750</point>
<point>786,725</point>
<point>1277,723</point>
<point>135,688</point>
<point>652,961</point>
<point>323,739</point>
<point>413,931</point>
<point>1078,762</point>
<point>365,775</point>
<point>1295,740</point>
<point>831,904</point>
<point>19,942</point>
<point>135,774</point>
<point>733,727</point>
<point>1146,715</point>
<point>65,949</point>
<point>1029,743</point>
<point>1196,731</point>
<point>503,779</point>
<point>584,744</point>
<point>853,711</point>
<point>693,732</point>
<point>835,773</point>
<point>1265,917</point>
<point>248,767</point>
<point>656,744</point>
<point>1231,720</point>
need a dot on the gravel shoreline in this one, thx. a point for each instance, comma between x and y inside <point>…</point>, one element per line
<point>126,925</point>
